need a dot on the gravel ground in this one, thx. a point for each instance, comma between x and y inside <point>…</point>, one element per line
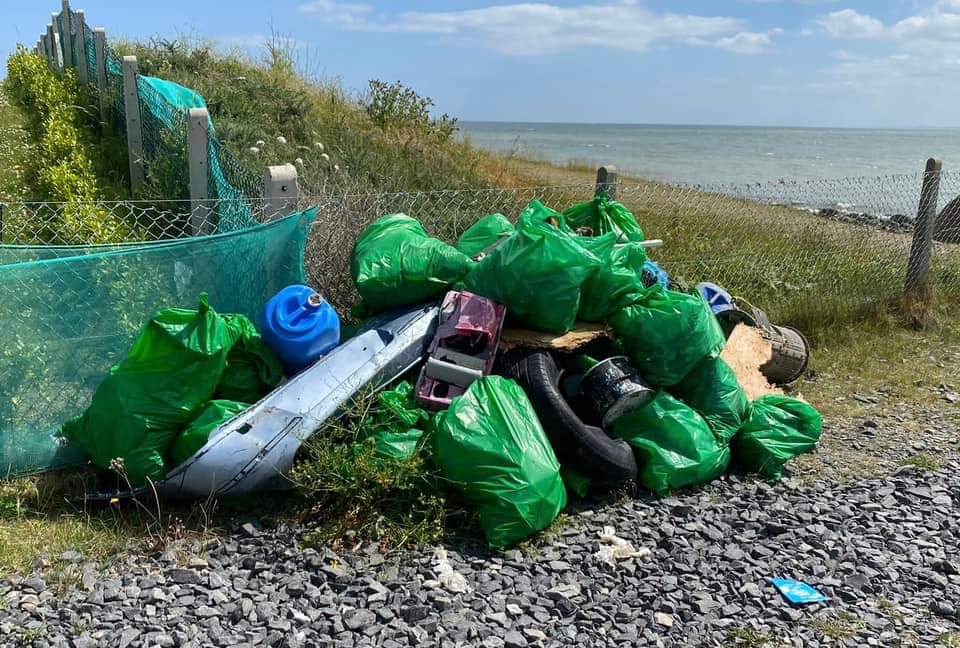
<point>884,433</point>
<point>884,551</point>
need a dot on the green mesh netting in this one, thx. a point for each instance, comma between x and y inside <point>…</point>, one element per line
<point>164,108</point>
<point>71,315</point>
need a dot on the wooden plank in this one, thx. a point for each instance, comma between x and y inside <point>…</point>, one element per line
<point>582,334</point>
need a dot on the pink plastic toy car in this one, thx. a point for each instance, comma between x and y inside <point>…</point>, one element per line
<point>463,349</point>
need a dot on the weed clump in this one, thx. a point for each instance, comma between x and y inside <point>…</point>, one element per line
<point>359,493</point>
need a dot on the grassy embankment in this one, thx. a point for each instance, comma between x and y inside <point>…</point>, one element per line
<point>836,282</point>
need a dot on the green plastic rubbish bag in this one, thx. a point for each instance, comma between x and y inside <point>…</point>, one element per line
<point>667,333</point>
<point>779,429</point>
<point>396,425</point>
<point>252,370</point>
<point>484,233</point>
<point>673,445</point>
<point>214,414</point>
<point>616,282</point>
<point>396,264</point>
<point>170,373</point>
<point>575,482</point>
<point>491,446</point>
<point>536,213</point>
<point>712,389</point>
<point>605,216</point>
<point>537,273</point>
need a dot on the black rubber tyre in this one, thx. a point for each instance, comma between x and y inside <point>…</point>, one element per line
<point>584,448</point>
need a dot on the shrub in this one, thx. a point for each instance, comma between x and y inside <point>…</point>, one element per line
<point>394,105</point>
<point>64,171</point>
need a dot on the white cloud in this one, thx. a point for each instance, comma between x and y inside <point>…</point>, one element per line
<point>849,23</point>
<point>748,42</point>
<point>923,59</point>
<point>527,29</point>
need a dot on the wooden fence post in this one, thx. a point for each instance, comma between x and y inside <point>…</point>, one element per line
<point>921,251</point>
<point>65,31</point>
<point>131,106</point>
<point>607,181</point>
<point>100,51</point>
<point>281,190</point>
<point>83,69</point>
<point>198,160</point>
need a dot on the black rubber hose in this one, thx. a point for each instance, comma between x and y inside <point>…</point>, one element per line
<point>584,448</point>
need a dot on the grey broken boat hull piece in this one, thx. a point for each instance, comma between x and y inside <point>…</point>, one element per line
<point>254,451</point>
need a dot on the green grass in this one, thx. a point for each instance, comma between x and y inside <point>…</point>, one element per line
<point>44,516</point>
<point>839,625</point>
<point>922,462</point>
<point>381,141</point>
<point>749,638</point>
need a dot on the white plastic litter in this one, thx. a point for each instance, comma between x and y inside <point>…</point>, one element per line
<point>449,578</point>
<point>614,548</point>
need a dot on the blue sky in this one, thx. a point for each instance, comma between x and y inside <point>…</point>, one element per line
<point>856,63</point>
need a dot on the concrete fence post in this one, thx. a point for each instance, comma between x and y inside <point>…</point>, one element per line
<point>65,31</point>
<point>83,69</point>
<point>51,52</point>
<point>281,190</point>
<point>131,106</point>
<point>921,250</point>
<point>607,181</point>
<point>57,52</point>
<point>100,51</point>
<point>198,161</point>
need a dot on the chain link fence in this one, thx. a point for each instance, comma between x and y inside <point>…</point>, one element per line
<point>808,253</point>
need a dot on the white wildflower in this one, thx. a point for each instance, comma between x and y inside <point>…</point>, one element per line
<point>254,150</point>
<point>261,143</point>
<point>298,162</point>
<point>336,167</point>
<point>325,157</point>
<point>281,140</point>
<point>318,146</point>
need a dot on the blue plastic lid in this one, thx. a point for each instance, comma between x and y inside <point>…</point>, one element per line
<point>716,297</point>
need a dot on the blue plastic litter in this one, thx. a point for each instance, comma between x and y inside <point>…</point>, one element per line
<point>797,593</point>
<point>300,327</point>
<point>718,298</point>
<point>653,273</point>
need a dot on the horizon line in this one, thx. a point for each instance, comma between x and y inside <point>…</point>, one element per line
<point>701,125</point>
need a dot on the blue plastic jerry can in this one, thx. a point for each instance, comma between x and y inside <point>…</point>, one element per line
<point>300,327</point>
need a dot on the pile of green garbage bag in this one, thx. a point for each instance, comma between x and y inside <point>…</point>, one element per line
<point>666,334</point>
<point>489,444</point>
<point>176,366</point>
<point>673,445</point>
<point>605,216</point>
<point>537,272</point>
<point>779,429</point>
<point>396,425</point>
<point>712,389</point>
<point>395,263</point>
